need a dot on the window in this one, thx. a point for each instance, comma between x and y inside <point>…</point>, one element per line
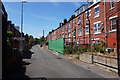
<point>66,26</point>
<point>89,12</point>
<point>81,9</point>
<point>97,12</point>
<point>63,35</point>
<point>69,25</point>
<point>111,4</point>
<point>80,32</point>
<point>79,20</point>
<point>87,29</point>
<point>97,28</point>
<point>73,33</point>
<point>113,24</point>
<point>69,35</point>
<point>86,15</point>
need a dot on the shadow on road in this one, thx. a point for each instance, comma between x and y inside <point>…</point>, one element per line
<point>28,55</point>
<point>17,72</point>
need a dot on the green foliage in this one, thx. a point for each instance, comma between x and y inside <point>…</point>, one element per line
<point>100,46</point>
<point>71,17</point>
<point>9,34</point>
<point>78,57</point>
<point>9,46</point>
<point>68,49</point>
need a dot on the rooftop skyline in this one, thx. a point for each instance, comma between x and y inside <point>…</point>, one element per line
<point>40,15</point>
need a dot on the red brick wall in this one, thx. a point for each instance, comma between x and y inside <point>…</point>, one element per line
<point>111,37</point>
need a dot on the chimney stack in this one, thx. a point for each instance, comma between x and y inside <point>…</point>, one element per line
<point>9,22</point>
<point>65,21</point>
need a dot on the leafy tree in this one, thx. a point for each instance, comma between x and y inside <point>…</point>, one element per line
<point>73,16</point>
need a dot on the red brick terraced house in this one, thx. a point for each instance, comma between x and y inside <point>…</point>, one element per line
<point>96,21</point>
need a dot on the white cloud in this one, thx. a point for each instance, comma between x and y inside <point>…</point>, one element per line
<point>39,35</point>
<point>77,4</point>
<point>44,17</point>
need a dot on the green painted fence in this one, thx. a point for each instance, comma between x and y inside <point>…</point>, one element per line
<point>57,45</point>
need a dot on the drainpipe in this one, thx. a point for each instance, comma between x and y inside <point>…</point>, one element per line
<point>105,22</point>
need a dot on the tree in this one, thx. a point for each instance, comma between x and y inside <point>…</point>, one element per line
<point>31,39</point>
<point>73,16</point>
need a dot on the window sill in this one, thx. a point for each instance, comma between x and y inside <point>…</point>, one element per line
<point>96,16</point>
<point>98,33</point>
<point>87,33</point>
<point>80,36</point>
<point>113,30</point>
<point>89,15</point>
<point>112,8</point>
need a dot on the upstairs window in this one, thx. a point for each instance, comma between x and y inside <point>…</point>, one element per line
<point>113,24</point>
<point>69,35</point>
<point>111,4</point>
<point>97,28</point>
<point>79,20</point>
<point>97,12</point>
<point>63,35</point>
<point>89,12</point>
<point>73,33</point>
<point>69,25</point>
<point>87,29</point>
<point>80,32</point>
<point>86,15</point>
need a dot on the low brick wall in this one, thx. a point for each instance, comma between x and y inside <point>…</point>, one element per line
<point>105,61</point>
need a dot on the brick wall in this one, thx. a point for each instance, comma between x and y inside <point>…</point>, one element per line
<point>84,38</point>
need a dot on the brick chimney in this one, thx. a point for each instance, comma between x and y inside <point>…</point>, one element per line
<point>65,21</point>
<point>9,22</point>
<point>59,24</point>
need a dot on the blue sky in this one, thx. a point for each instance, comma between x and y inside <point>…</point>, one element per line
<point>40,15</point>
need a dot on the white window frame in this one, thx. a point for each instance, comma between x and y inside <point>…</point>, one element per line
<point>96,12</point>
<point>63,35</point>
<point>86,15</point>
<point>86,29</point>
<point>111,2</point>
<point>73,33</point>
<point>66,35</point>
<point>96,23</point>
<point>80,32</point>
<point>69,34</point>
<point>69,25</point>
<point>111,25</point>
<point>79,20</point>
<point>89,12</point>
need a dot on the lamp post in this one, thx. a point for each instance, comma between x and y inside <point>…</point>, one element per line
<point>21,40</point>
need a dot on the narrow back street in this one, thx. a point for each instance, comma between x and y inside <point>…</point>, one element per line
<point>44,63</point>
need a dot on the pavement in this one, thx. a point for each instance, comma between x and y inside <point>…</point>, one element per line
<point>48,64</point>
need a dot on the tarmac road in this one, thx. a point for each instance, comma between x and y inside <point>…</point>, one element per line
<point>44,63</point>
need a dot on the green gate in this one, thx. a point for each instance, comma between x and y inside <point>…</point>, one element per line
<point>57,45</point>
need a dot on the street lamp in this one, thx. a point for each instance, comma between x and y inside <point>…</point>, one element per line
<point>21,41</point>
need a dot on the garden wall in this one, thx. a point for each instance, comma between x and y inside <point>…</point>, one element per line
<point>104,61</point>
